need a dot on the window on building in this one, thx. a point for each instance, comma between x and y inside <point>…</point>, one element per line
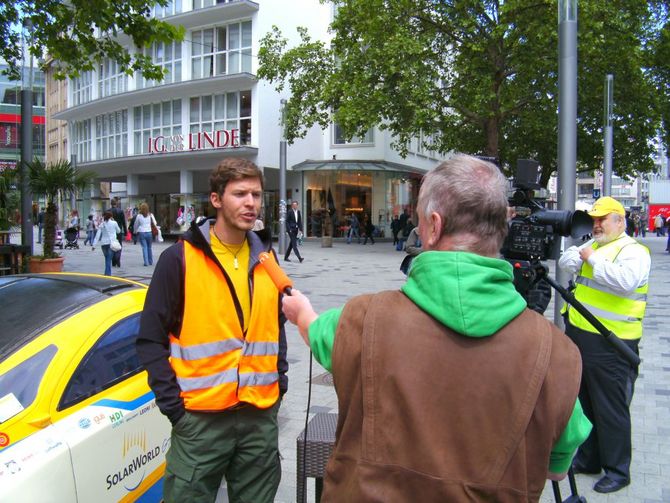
<point>221,50</point>
<point>111,79</point>
<point>168,56</point>
<point>110,361</point>
<point>338,137</point>
<point>81,88</point>
<point>81,140</point>
<point>585,189</point>
<point>111,135</point>
<point>222,111</point>
<point>200,4</point>
<point>173,7</point>
<point>158,119</point>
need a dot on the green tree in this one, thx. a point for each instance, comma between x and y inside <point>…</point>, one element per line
<point>77,34</point>
<point>479,76</point>
<point>54,181</point>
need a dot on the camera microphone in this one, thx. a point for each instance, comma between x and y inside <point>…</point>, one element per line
<point>278,277</point>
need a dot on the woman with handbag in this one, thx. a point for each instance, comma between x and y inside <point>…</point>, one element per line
<point>146,229</point>
<point>106,236</point>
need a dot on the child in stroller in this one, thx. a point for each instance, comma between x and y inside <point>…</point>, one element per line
<point>71,236</point>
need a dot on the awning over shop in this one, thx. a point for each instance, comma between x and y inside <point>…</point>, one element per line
<point>353,165</point>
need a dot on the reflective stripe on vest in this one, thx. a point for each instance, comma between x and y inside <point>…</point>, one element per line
<point>620,313</point>
<point>216,365</point>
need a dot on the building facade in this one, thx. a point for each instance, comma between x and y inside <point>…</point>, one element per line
<point>157,142</point>
<point>10,117</point>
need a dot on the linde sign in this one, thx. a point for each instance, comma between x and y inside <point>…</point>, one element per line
<point>202,140</point>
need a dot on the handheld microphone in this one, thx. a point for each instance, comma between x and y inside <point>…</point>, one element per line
<point>278,277</point>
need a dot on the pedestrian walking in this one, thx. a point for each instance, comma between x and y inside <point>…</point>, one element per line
<point>120,219</point>
<point>107,236</point>
<point>90,231</point>
<point>293,227</point>
<point>354,229</point>
<point>369,229</point>
<point>144,223</point>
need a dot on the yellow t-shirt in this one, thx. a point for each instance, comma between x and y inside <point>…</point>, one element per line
<point>225,254</point>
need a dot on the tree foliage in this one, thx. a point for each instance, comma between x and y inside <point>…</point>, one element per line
<point>479,76</point>
<point>77,34</point>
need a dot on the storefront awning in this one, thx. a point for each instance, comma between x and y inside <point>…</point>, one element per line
<point>353,165</point>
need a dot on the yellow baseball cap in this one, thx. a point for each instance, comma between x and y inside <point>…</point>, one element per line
<point>605,206</point>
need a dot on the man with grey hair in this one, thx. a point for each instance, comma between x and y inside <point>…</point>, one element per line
<point>612,283</point>
<point>449,389</point>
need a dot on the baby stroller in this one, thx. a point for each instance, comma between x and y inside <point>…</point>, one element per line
<point>58,241</point>
<point>71,237</point>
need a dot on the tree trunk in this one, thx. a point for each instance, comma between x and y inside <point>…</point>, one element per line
<point>50,229</point>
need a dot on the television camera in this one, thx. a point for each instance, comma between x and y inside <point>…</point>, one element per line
<point>532,237</point>
<point>534,229</point>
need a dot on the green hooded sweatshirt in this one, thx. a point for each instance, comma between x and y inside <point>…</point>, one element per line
<point>473,296</point>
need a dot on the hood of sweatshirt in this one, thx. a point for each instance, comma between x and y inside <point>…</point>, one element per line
<point>471,294</point>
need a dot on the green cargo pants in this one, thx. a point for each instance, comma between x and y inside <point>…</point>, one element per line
<point>240,445</point>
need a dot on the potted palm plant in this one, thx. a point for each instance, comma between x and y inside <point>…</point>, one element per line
<point>53,181</point>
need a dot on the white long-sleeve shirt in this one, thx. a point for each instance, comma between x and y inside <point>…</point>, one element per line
<point>143,224</point>
<point>105,232</point>
<point>629,270</point>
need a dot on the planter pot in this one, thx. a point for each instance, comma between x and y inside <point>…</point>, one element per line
<point>36,265</point>
<point>326,241</point>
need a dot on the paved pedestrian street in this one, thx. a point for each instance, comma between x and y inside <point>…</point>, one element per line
<point>331,276</point>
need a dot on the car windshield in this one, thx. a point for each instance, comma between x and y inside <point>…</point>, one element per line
<point>18,386</point>
<point>30,305</point>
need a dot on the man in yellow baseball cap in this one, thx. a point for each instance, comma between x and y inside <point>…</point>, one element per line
<point>605,206</point>
<point>612,275</point>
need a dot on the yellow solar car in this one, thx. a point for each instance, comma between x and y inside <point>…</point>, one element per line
<point>78,421</point>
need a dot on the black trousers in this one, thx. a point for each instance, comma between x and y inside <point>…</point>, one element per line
<point>293,245</point>
<point>606,391</point>
<point>116,257</point>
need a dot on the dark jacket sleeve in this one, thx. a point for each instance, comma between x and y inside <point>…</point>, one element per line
<point>162,314</point>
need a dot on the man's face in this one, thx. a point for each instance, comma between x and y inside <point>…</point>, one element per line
<point>607,228</point>
<point>240,204</point>
<point>294,205</point>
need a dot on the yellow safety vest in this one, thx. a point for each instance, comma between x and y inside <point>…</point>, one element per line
<point>217,365</point>
<point>620,313</point>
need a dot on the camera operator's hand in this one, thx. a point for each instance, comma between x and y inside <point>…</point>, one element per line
<point>585,253</point>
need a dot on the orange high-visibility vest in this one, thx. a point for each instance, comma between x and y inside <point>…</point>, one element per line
<point>216,365</point>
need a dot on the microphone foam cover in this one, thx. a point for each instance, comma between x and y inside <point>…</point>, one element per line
<point>279,277</point>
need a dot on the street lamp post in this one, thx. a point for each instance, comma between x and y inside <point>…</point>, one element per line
<point>26,153</point>
<point>607,130</point>
<point>282,181</point>
<point>567,123</point>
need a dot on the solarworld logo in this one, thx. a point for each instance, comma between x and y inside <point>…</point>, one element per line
<point>136,455</point>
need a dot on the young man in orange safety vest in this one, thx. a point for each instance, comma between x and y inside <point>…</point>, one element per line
<point>212,340</point>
